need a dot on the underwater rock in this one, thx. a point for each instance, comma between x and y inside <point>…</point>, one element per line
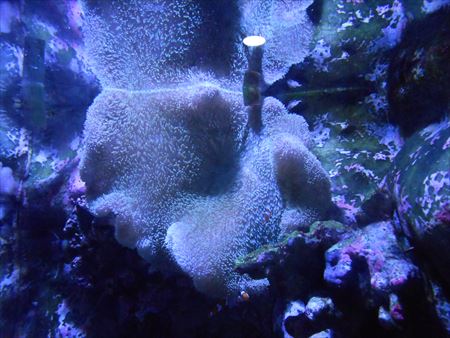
<point>8,191</point>
<point>10,63</point>
<point>419,80</point>
<point>379,207</point>
<point>318,308</point>
<point>352,34</point>
<point>392,313</point>
<point>314,11</point>
<point>420,182</point>
<point>8,185</point>
<point>318,315</point>
<point>323,334</point>
<point>294,266</point>
<point>54,191</point>
<point>376,248</point>
<point>47,90</point>
<point>291,309</point>
<point>356,161</point>
<point>375,285</point>
<point>65,279</point>
<point>442,305</point>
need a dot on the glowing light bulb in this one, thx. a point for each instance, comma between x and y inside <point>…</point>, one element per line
<point>254,41</point>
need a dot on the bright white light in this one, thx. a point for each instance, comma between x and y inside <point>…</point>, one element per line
<point>254,41</point>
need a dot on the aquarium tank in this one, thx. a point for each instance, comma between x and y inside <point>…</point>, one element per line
<point>225,168</point>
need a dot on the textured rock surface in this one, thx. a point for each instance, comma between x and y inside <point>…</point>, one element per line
<point>340,89</point>
<point>376,248</point>
<point>371,268</point>
<point>318,315</point>
<point>420,181</point>
<point>300,251</point>
<point>64,270</point>
<point>418,82</point>
<point>363,281</point>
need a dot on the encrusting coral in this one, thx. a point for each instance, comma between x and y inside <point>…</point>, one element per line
<point>286,28</point>
<point>173,164</point>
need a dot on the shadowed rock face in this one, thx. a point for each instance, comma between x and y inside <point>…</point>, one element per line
<point>420,182</point>
<point>169,157</point>
<point>419,71</point>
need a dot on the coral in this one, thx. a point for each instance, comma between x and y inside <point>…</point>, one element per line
<point>180,142</point>
<point>172,44</point>
<point>173,163</point>
<point>174,160</point>
<point>286,27</point>
<point>139,44</point>
<point>171,160</point>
